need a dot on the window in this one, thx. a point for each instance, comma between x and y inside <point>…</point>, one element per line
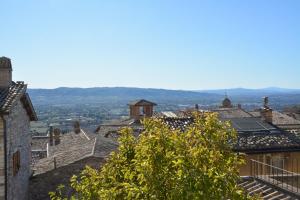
<point>16,162</point>
<point>141,111</point>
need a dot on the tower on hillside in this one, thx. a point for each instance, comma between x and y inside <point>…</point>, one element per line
<point>141,108</point>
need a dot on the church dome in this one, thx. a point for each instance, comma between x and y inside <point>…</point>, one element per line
<point>226,103</point>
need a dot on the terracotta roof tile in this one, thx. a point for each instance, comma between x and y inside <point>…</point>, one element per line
<point>17,91</point>
<point>10,95</point>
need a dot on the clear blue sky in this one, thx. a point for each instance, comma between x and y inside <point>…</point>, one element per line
<point>147,43</point>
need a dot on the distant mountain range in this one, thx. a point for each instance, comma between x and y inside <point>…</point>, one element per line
<point>117,94</point>
<point>279,97</point>
<point>244,91</point>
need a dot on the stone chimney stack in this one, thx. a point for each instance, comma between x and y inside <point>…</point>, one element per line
<point>51,135</point>
<point>56,136</point>
<point>266,112</point>
<point>76,127</point>
<point>5,72</point>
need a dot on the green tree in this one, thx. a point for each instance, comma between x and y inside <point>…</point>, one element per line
<point>166,164</point>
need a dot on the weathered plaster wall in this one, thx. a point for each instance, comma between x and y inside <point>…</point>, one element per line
<point>289,159</point>
<point>18,139</point>
<point>2,161</point>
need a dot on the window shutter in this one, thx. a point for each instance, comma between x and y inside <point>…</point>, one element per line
<point>16,162</point>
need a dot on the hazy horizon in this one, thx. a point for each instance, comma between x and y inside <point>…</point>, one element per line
<point>197,90</point>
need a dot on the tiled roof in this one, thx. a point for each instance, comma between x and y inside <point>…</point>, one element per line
<point>10,95</point>
<point>104,146</point>
<point>179,123</point>
<point>73,147</point>
<point>250,124</point>
<point>252,142</point>
<point>228,113</point>
<point>142,102</point>
<point>122,122</point>
<point>17,91</point>
<point>279,118</point>
<point>296,115</point>
<point>39,143</point>
<point>255,113</point>
<point>254,135</point>
<point>68,141</point>
<point>176,114</point>
<point>112,128</point>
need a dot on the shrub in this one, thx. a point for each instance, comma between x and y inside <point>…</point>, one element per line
<point>197,163</point>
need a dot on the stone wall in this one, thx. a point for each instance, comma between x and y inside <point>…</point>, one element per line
<point>5,77</point>
<point>2,161</point>
<point>42,184</point>
<point>18,139</point>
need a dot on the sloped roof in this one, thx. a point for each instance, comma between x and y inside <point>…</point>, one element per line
<point>74,147</point>
<point>68,141</point>
<point>39,143</point>
<point>178,123</point>
<point>142,102</point>
<point>279,118</point>
<point>250,124</point>
<point>112,128</point>
<point>264,141</point>
<point>10,95</point>
<point>254,135</point>
<point>104,146</point>
<point>228,113</point>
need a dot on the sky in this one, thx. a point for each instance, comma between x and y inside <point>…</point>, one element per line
<point>190,45</point>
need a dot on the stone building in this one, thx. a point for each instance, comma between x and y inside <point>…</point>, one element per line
<point>16,112</point>
<point>67,158</point>
<point>141,108</point>
<point>264,135</point>
<point>279,119</point>
<point>74,151</point>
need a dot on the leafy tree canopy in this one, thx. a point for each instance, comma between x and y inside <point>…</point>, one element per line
<point>162,163</point>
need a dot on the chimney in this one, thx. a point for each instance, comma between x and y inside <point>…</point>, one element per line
<point>239,106</point>
<point>5,72</point>
<point>266,112</point>
<point>51,135</point>
<point>56,136</point>
<point>76,127</point>
<point>197,107</point>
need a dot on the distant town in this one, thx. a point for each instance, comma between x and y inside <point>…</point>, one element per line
<point>62,106</point>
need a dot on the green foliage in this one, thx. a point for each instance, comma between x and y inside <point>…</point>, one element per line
<point>166,164</point>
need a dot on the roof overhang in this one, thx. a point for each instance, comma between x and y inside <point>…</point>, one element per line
<point>25,99</point>
<point>142,102</point>
<point>267,150</point>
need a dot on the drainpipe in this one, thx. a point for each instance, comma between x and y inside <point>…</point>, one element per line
<point>5,155</point>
